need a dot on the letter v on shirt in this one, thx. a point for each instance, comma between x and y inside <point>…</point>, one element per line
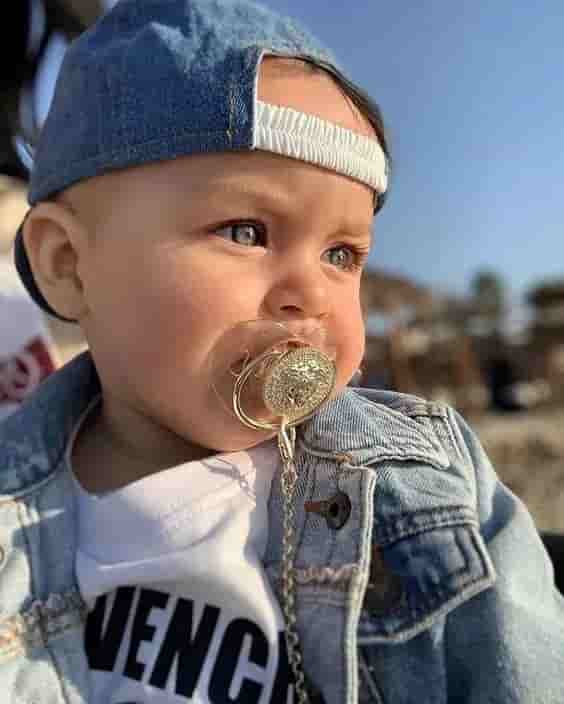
<point>180,608</point>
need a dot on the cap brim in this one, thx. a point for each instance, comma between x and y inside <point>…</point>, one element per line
<point>26,275</point>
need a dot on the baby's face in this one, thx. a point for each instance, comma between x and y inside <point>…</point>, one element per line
<point>185,250</point>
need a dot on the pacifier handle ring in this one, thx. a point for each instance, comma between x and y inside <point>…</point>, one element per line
<point>240,381</point>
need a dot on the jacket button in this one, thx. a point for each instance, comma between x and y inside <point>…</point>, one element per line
<point>335,510</point>
<point>338,511</point>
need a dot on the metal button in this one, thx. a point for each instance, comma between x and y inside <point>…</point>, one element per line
<point>339,511</point>
<point>335,510</point>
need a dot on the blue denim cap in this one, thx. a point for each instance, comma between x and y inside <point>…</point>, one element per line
<point>159,79</point>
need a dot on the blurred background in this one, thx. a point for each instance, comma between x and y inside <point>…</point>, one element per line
<point>464,291</point>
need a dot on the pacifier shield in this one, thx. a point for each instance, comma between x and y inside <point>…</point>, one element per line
<point>298,382</point>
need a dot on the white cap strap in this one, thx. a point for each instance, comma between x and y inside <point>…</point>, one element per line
<point>295,134</point>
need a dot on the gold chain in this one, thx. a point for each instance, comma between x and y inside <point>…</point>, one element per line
<point>295,383</point>
<point>286,445</point>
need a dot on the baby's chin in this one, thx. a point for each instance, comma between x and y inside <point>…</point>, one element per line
<point>236,441</point>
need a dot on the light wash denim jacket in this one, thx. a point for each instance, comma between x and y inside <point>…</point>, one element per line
<point>421,578</point>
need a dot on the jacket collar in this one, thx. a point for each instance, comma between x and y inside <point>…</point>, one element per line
<point>368,427</point>
<point>34,438</point>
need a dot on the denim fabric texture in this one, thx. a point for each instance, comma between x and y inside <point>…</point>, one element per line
<point>435,589</point>
<point>159,79</point>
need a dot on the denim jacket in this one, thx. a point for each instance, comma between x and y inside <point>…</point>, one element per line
<point>420,577</point>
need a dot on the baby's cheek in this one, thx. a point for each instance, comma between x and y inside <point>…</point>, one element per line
<point>350,348</point>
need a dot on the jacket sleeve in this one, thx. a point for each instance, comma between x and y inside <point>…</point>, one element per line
<point>507,644</point>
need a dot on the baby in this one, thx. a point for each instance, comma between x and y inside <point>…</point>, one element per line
<point>203,199</point>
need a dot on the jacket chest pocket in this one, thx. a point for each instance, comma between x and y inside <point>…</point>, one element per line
<point>414,583</point>
<point>419,579</point>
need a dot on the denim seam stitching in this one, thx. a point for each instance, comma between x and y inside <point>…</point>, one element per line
<point>441,595</point>
<point>32,627</point>
<point>422,410</point>
<point>49,637</point>
<point>393,536</point>
<point>435,511</point>
<point>43,634</point>
<point>367,677</point>
<point>231,111</point>
<point>367,464</point>
<point>452,435</point>
<point>471,588</point>
<point>36,485</point>
<point>412,456</point>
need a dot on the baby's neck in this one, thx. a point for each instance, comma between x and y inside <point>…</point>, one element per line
<point>105,459</point>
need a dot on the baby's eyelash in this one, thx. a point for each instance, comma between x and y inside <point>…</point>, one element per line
<point>258,227</point>
<point>359,254</point>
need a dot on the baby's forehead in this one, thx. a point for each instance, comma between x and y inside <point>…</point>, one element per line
<point>309,88</point>
<point>201,189</point>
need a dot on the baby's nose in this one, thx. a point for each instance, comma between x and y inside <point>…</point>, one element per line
<point>302,294</point>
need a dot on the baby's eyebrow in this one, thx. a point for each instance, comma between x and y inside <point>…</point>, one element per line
<point>358,230</point>
<point>241,194</point>
<point>279,202</point>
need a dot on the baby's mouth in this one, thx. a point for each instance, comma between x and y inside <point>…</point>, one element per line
<point>265,372</point>
<point>277,349</point>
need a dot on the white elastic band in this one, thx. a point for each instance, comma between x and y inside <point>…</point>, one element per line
<point>295,134</point>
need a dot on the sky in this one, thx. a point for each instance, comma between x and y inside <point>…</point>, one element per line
<point>471,93</point>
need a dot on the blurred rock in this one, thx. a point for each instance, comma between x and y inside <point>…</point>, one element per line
<point>527,451</point>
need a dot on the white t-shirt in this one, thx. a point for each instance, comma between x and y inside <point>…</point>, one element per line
<point>180,608</point>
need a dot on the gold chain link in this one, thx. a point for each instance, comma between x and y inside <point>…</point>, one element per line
<point>286,445</point>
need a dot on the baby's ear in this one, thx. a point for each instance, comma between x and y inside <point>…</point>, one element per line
<point>55,240</point>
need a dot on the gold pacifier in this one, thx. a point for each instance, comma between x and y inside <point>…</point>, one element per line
<point>295,382</point>
<point>281,377</point>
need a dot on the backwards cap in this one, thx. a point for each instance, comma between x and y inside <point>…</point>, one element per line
<point>159,79</point>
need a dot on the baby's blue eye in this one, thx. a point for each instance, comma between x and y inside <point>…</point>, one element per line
<point>342,257</point>
<point>244,233</point>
